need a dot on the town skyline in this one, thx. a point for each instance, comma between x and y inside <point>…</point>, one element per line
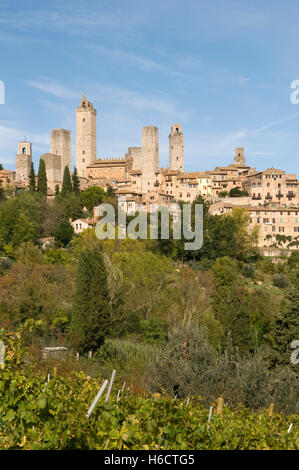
<point>227,92</point>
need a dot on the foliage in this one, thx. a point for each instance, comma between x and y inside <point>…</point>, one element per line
<point>248,271</point>
<point>56,420</point>
<point>286,328</point>
<point>66,182</point>
<point>19,219</point>
<point>64,232</point>
<point>92,197</point>
<point>32,186</point>
<point>75,182</point>
<point>42,186</point>
<point>236,192</point>
<point>192,366</point>
<point>280,280</point>
<point>91,308</point>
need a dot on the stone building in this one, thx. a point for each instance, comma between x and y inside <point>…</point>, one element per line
<point>53,169</point>
<point>239,156</point>
<point>23,162</point>
<point>61,144</point>
<point>176,148</point>
<point>150,157</point>
<point>273,185</point>
<point>7,178</point>
<point>275,223</point>
<point>134,154</point>
<point>86,138</point>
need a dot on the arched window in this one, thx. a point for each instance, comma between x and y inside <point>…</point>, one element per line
<point>24,151</point>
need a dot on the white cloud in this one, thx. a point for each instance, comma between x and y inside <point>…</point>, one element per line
<point>54,88</point>
<point>243,79</point>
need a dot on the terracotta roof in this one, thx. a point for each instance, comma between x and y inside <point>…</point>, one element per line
<point>274,170</point>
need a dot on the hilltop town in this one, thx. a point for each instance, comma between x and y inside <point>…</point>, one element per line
<point>270,196</point>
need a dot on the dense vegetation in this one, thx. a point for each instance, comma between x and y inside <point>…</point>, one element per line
<point>53,416</point>
<point>214,322</point>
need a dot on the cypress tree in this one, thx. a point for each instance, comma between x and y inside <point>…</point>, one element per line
<point>66,183</point>
<point>2,193</point>
<point>64,231</point>
<point>57,190</point>
<point>76,182</point>
<point>91,307</point>
<point>42,185</point>
<point>32,187</point>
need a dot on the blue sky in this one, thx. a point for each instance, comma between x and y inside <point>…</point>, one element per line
<point>222,69</point>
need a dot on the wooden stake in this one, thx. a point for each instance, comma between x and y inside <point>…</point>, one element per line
<point>98,396</point>
<point>271,410</point>
<point>89,354</point>
<point>54,371</point>
<point>77,356</point>
<point>220,403</point>
<point>110,385</point>
<point>210,415</point>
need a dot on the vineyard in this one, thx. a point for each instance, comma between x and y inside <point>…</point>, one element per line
<point>53,416</point>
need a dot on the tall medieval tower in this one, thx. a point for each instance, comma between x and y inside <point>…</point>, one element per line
<point>23,161</point>
<point>239,156</point>
<point>86,138</point>
<point>61,144</point>
<point>149,157</point>
<point>176,148</point>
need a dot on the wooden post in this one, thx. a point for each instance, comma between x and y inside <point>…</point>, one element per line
<point>95,401</point>
<point>54,371</point>
<point>110,385</point>
<point>77,356</point>
<point>89,354</point>
<point>271,410</point>
<point>2,355</point>
<point>220,403</point>
<point>210,415</point>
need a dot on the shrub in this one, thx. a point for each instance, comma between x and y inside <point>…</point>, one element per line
<point>280,280</point>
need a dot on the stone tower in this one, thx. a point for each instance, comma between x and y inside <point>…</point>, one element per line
<point>53,168</point>
<point>176,148</point>
<point>239,156</point>
<point>61,144</point>
<point>149,157</point>
<point>134,153</point>
<point>23,161</point>
<point>86,138</point>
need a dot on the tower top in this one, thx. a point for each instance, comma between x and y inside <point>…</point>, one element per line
<point>84,103</point>
<point>239,156</point>
<point>176,129</point>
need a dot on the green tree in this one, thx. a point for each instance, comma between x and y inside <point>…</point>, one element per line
<point>91,318</point>
<point>2,193</point>
<point>286,328</point>
<point>64,232</point>
<point>66,183</point>
<point>92,197</point>
<point>110,191</point>
<point>57,190</point>
<point>42,185</point>
<point>32,187</point>
<point>235,192</point>
<point>76,182</point>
